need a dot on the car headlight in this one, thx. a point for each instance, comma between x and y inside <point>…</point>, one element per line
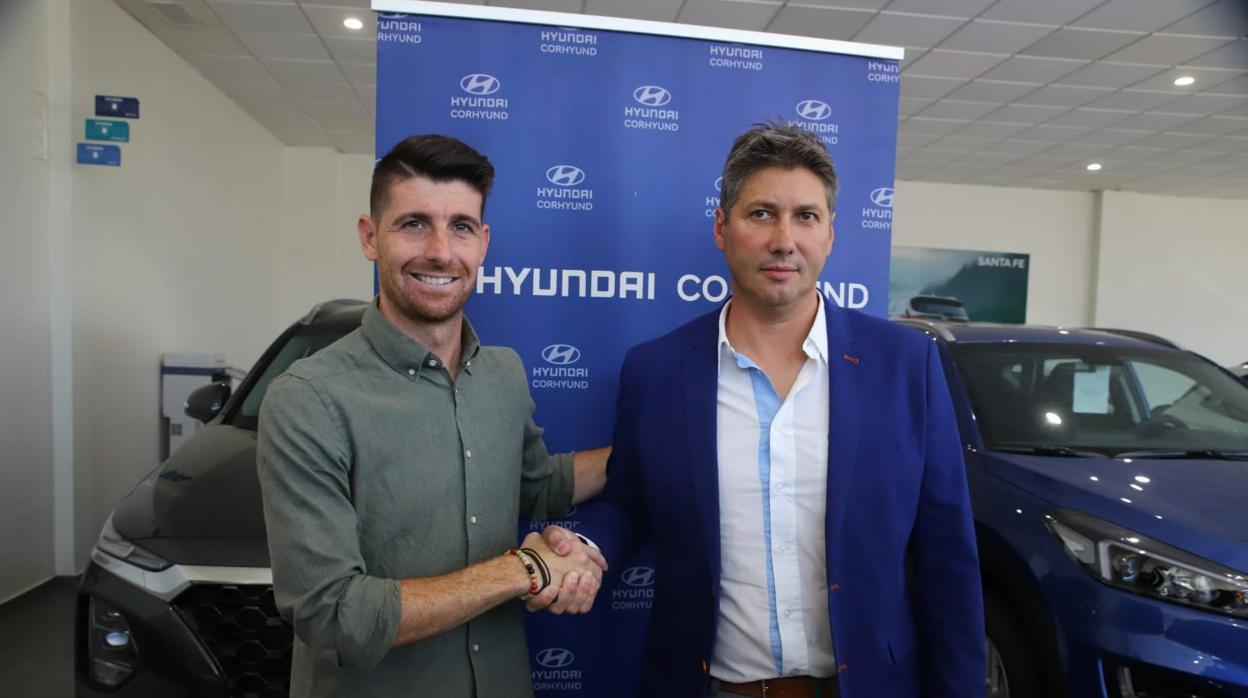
<point>1137,563</point>
<point>119,547</point>
<point>111,652</point>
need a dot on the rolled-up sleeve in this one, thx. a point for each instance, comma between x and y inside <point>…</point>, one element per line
<point>320,581</point>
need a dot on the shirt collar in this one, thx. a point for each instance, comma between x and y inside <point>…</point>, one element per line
<point>406,355</point>
<point>815,345</point>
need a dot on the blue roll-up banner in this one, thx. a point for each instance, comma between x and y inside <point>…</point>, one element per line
<point>608,137</point>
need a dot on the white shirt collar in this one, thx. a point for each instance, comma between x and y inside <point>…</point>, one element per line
<point>815,345</point>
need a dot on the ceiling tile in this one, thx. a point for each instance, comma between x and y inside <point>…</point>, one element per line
<point>1217,125</point>
<point>360,73</point>
<point>916,124</point>
<point>954,64</point>
<point>1020,146</point>
<point>1063,95</point>
<point>654,10</point>
<point>265,87</point>
<point>990,129</point>
<point>1233,56</point>
<point>1133,100</point>
<point>1225,18</point>
<point>922,87</point>
<point>962,143</point>
<point>328,22</point>
<point>1111,136</point>
<point>357,4</point>
<point>992,90</point>
<point>1033,69</point>
<point>1094,118</point>
<point>821,22</point>
<point>1240,109</point>
<point>1238,86</point>
<point>353,50</point>
<point>544,5</point>
<point>1206,79</point>
<point>995,161</point>
<point>262,17</point>
<point>908,30</point>
<point>1046,12</point>
<point>1104,74</point>
<point>954,109</point>
<point>733,14</point>
<point>1139,15</point>
<point>1052,134</point>
<point>1079,150</point>
<point>849,4</point>
<point>1190,156</point>
<point>1154,121</point>
<point>1087,44</point>
<point>1137,153</point>
<point>995,37</point>
<point>910,107</point>
<point>1229,144</point>
<point>932,155</point>
<point>234,67</point>
<point>219,41</point>
<point>948,8</point>
<point>299,47</point>
<point>1170,141</point>
<point>353,142</point>
<point>910,140</point>
<point>1025,114</point>
<point>1166,49</point>
<point>368,96</point>
<point>1206,104</point>
<point>284,71</point>
<point>321,91</point>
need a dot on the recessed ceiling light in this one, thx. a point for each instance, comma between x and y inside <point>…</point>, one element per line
<point>1185,80</point>
<point>1094,167</point>
<point>352,23</point>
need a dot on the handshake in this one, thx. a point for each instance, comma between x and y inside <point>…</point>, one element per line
<point>566,573</point>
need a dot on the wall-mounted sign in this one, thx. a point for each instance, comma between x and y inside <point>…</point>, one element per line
<point>94,154</point>
<point>101,130</point>
<point>124,107</point>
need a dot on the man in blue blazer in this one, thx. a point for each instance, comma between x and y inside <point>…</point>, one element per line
<point>797,468</point>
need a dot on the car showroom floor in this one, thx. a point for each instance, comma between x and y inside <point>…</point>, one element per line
<point>36,642</point>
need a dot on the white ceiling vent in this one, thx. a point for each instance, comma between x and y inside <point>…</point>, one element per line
<point>174,13</point>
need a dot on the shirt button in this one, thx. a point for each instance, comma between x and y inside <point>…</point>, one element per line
<point>467,363</point>
<point>788,614</point>
<point>433,363</point>
<point>411,371</point>
<point>476,647</point>
<point>468,454</point>
<point>472,519</point>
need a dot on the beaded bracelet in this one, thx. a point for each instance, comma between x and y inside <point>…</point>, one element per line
<point>537,579</point>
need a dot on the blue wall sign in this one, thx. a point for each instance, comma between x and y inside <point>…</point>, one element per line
<point>103,130</point>
<point>122,107</point>
<point>94,154</point>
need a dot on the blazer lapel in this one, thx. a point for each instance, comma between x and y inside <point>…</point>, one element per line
<point>845,412</point>
<point>701,381</point>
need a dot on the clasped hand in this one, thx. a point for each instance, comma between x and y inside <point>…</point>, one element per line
<point>575,571</point>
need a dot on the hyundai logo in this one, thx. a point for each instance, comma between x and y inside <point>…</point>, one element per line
<point>480,84</point>
<point>554,657</point>
<point>652,95</point>
<point>565,175</point>
<point>719,184</point>
<point>391,15</point>
<point>813,109</point>
<point>638,576</point>
<point>882,197</point>
<point>561,354</point>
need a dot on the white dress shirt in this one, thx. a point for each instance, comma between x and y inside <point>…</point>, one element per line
<point>773,460</point>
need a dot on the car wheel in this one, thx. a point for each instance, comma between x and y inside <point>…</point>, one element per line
<point>1011,664</point>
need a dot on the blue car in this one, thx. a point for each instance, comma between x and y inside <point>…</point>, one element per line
<point>1109,477</point>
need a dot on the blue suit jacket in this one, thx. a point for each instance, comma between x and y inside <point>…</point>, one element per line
<point>896,492</point>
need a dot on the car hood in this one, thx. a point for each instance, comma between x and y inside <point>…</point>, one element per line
<point>203,505</point>
<point>1195,505</point>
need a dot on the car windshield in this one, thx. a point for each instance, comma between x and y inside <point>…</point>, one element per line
<point>938,307</point>
<point>304,341</point>
<point>1104,399</point>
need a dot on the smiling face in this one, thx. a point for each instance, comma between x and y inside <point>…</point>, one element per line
<point>428,243</point>
<point>776,238</point>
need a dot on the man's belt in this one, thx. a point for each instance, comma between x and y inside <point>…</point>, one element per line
<point>788,687</point>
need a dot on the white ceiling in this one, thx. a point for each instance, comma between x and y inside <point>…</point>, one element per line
<point>997,92</point>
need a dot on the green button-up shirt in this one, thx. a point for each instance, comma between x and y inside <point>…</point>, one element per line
<point>376,467</point>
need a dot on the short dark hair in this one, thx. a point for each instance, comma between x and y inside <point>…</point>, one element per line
<point>775,144</point>
<point>440,158</point>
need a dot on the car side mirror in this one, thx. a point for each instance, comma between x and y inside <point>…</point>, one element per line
<point>206,401</point>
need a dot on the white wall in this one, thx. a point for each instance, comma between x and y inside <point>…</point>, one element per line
<point>174,248</point>
<point>1176,266</point>
<point>26,500</point>
<point>1055,227</point>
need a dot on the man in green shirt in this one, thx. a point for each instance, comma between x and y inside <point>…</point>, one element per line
<point>395,464</point>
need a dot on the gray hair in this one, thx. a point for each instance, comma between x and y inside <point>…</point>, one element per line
<point>775,144</point>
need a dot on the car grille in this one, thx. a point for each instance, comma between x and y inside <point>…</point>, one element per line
<point>240,626</point>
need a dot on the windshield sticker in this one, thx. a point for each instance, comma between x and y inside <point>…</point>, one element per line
<point>1091,394</point>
